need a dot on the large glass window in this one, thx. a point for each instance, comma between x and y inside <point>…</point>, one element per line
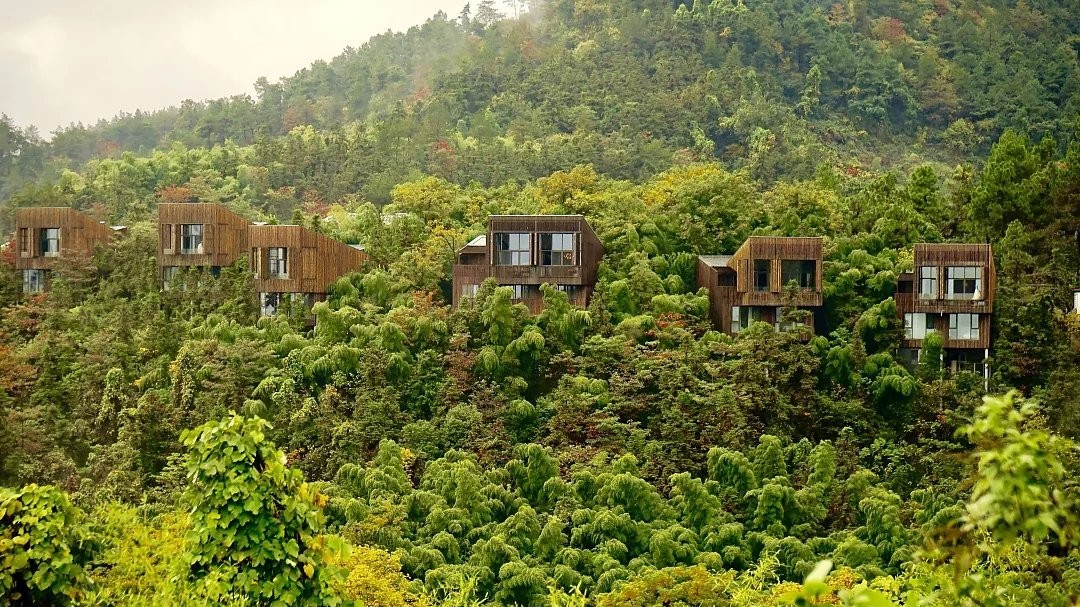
<point>469,291</point>
<point>191,238</point>
<point>519,291</point>
<point>916,326</point>
<point>928,282</point>
<point>50,242</point>
<point>512,249</point>
<point>963,326</point>
<point>802,271</point>
<point>279,262</point>
<point>168,273</point>
<point>761,274</point>
<point>964,282</point>
<point>556,249</point>
<point>33,281</point>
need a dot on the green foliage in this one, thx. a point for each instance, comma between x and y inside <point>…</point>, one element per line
<point>46,546</point>
<point>254,520</point>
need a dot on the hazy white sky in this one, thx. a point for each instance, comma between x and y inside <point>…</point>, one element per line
<point>64,61</point>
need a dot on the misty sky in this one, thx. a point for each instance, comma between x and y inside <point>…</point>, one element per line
<point>64,61</point>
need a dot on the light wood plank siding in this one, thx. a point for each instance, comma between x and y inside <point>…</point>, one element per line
<point>80,234</point>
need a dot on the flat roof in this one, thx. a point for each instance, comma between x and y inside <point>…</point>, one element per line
<point>715,260</point>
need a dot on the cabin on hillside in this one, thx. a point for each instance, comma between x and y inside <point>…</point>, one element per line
<point>294,263</point>
<point>763,277</point>
<point>47,236</point>
<point>950,292</point>
<point>289,262</point>
<point>526,251</point>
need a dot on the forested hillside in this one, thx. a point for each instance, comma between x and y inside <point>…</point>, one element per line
<point>170,447</point>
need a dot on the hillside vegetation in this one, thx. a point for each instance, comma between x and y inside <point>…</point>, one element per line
<point>169,447</point>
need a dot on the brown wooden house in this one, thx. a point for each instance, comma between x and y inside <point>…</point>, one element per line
<point>199,235</point>
<point>753,283</point>
<point>292,262</point>
<point>46,236</point>
<point>526,251</point>
<point>951,292</point>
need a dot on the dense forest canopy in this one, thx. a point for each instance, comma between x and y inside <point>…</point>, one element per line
<point>172,447</point>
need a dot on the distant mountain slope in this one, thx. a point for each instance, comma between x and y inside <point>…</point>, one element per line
<point>777,86</point>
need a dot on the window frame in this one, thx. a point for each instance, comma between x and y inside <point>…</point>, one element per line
<point>514,256</point>
<point>970,329</point>
<point>470,291</point>
<point>758,272</point>
<point>549,254</point>
<point>966,276</point>
<point>930,281</point>
<point>277,262</point>
<point>911,327</point>
<point>187,231</point>
<point>46,238</point>
<point>24,242</point>
<point>803,272</point>
<point>39,282</point>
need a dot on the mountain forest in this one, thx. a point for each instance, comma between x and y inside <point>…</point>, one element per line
<point>386,449</point>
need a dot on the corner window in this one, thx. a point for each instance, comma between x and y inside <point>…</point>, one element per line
<point>802,271</point>
<point>928,282</point>
<point>512,249</point>
<point>278,266</point>
<point>964,282</point>
<point>916,326</point>
<point>33,281</point>
<point>556,249</point>
<point>963,326</point>
<point>50,242</point>
<point>761,275</point>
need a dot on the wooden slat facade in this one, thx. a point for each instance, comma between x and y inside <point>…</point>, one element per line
<point>476,263</point>
<point>79,235</point>
<point>938,307</point>
<point>314,261</point>
<point>730,279</point>
<point>225,236</point>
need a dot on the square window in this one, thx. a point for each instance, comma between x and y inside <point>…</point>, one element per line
<point>802,271</point>
<point>916,326</point>
<point>556,249</point>
<point>513,249</point>
<point>469,291</point>
<point>964,282</point>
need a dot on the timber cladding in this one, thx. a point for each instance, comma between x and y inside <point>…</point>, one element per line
<point>931,296</point>
<point>304,260</point>
<point>775,250</point>
<point>477,262</point>
<point>78,234</point>
<point>223,235</point>
<point>312,261</point>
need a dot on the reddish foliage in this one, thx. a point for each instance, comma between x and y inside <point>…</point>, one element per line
<point>175,193</point>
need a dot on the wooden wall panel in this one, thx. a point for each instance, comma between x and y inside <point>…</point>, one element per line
<point>80,235</point>
<point>314,260</point>
<point>587,247</point>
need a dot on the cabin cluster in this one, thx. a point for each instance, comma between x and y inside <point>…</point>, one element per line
<point>289,262</point>
<point>776,280</point>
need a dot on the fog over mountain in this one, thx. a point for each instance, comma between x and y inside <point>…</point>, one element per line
<point>64,61</point>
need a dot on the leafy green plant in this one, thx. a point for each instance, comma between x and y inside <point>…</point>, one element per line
<point>254,521</point>
<point>45,547</point>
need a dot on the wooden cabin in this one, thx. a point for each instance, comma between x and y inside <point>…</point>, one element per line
<point>766,275</point>
<point>45,236</point>
<point>199,234</point>
<point>293,262</point>
<point>526,251</point>
<point>951,292</point>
